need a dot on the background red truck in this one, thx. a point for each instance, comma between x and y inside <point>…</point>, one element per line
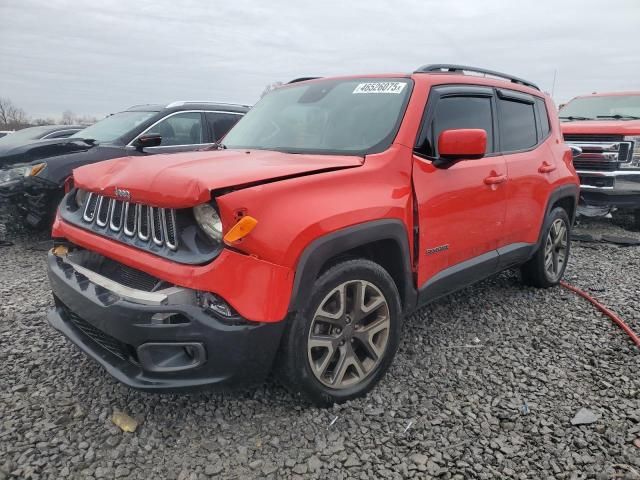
<point>606,126</point>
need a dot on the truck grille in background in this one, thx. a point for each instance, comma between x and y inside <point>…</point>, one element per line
<point>599,152</point>
<point>146,222</point>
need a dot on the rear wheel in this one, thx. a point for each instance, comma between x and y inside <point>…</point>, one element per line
<point>546,268</point>
<point>341,345</point>
<point>636,219</point>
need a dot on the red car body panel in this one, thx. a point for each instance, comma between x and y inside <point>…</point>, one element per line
<point>187,179</point>
<point>454,206</point>
<point>258,290</point>
<point>608,127</point>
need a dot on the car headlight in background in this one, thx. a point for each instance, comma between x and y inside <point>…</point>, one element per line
<point>209,221</point>
<point>11,175</point>
<point>635,157</point>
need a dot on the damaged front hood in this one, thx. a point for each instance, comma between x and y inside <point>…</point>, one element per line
<point>183,180</point>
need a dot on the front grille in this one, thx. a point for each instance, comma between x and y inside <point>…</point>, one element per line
<point>596,166</point>
<point>600,152</point>
<point>109,343</point>
<point>130,277</point>
<point>147,223</point>
<point>588,137</point>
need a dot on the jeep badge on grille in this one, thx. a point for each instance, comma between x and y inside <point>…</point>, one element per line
<point>122,194</point>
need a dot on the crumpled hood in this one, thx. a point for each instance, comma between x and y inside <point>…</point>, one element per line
<point>183,180</point>
<point>606,127</point>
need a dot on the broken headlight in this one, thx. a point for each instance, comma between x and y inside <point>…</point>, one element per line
<point>11,175</point>
<point>209,221</point>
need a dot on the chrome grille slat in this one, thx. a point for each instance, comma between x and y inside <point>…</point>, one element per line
<point>130,219</point>
<point>147,223</point>
<point>90,207</point>
<point>117,214</point>
<point>156,225</point>
<point>102,217</point>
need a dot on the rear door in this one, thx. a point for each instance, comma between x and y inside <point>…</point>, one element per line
<point>461,210</point>
<point>522,133</point>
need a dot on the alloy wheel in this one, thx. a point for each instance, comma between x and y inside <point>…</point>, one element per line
<point>348,334</point>
<point>555,250</point>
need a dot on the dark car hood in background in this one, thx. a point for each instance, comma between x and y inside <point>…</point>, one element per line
<point>29,152</point>
<point>187,179</point>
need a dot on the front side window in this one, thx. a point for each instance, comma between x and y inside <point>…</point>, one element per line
<point>602,107</point>
<point>354,116</point>
<point>517,125</point>
<point>179,129</point>
<point>114,126</point>
<point>463,112</point>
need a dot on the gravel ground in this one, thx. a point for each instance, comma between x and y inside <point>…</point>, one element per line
<point>485,386</point>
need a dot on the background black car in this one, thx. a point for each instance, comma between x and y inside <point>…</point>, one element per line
<point>31,134</point>
<point>33,179</point>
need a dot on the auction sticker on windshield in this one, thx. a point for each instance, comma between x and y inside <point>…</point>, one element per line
<point>380,87</point>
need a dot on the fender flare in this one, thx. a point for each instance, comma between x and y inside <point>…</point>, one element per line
<point>318,252</point>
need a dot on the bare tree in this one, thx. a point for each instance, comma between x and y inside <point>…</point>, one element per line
<point>68,118</point>
<point>12,116</point>
<point>270,87</point>
<point>43,121</point>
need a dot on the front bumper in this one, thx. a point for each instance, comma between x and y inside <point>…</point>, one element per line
<point>620,188</point>
<point>191,350</point>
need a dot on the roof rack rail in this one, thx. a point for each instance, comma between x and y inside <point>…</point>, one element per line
<point>181,103</point>
<point>449,68</point>
<point>302,79</point>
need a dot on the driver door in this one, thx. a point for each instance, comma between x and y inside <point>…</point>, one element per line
<point>461,209</point>
<point>180,132</point>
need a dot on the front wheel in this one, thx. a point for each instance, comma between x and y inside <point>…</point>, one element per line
<point>341,345</point>
<point>546,268</point>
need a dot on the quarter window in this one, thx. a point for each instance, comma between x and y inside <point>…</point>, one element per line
<point>221,123</point>
<point>464,112</point>
<point>179,129</point>
<point>544,117</point>
<point>517,125</point>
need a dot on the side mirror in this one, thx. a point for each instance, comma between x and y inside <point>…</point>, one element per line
<point>460,144</point>
<point>148,140</point>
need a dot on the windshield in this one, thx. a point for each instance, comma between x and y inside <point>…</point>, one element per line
<point>114,126</point>
<point>623,107</point>
<point>26,134</point>
<point>330,116</point>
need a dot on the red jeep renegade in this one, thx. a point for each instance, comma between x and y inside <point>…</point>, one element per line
<point>334,207</point>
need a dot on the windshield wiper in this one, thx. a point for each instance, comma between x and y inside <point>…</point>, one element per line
<point>572,117</point>
<point>617,116</point>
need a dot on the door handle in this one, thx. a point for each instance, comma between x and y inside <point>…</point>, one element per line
<point>495,179</point>
<point>546,167</point>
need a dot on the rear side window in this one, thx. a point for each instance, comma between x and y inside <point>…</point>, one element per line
<point>464,112</point>
<point>517,125</point>
<point>543,114</point>
<point>221,123</point>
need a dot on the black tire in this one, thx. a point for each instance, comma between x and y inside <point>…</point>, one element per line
<point>534,271</point>
<point>636,219</point>
<point>295,357</point>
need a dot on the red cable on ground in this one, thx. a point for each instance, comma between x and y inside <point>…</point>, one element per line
<point>616,319</point>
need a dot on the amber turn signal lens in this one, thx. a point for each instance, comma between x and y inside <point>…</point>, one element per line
<point>36,169</point>
<point>240,229</point>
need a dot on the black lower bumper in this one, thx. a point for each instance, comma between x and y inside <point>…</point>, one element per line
<point>609,199</point>
<point>144,354</point>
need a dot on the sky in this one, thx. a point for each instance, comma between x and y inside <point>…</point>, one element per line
<point>95,58</point>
